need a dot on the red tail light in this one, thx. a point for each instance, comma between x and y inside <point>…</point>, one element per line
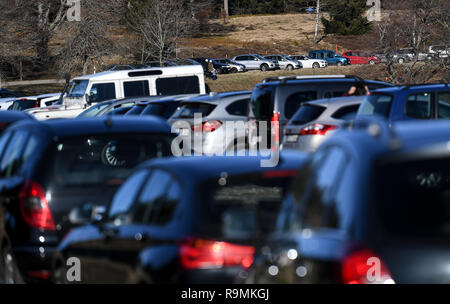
<point>201,254</point>
<point>276,128</point>
<point>317,129</point>
<point>207,126</point>
<point>365,267</point>
<point>34,207</point>
<point>280,173</point>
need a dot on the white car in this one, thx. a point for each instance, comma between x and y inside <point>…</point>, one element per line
<point>309,63</point>
<point>285,62</point>
<point>439,50</point>
<point>29,102</point>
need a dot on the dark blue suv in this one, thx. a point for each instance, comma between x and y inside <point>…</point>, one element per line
<point>371,206</point>
<point>430,101</point>
<point>331,57</point>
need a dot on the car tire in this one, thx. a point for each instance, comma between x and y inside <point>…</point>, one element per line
<point>339,64</point>
<point>290,67</point>
<point>401,60</point>
<point>234,70</point>
<point>372,62</point>
<point>264,67</point>
<point>316,65</point>
<point>9,272</point>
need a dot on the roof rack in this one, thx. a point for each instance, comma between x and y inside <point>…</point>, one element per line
<point>376,127</point>
<point>407,86</point>
<point>283,79</point>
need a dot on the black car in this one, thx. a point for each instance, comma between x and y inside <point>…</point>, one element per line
<point>54,173</point>
<point>110,105</point>
<point>182,220</point>
<point>221,68</point>
<point>7,118</point>
<point>371,206</point>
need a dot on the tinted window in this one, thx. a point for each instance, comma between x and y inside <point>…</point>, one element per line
<point>156,109</point>
<point>23,104</point>
<point>262,102</point>
<point>30,148</point>
<point>443,100</point>
<point>412,197</point>
<point>188,110</point>
<point>419,106</point>
<point>94,110</point>
<point>11,160</point>
<point>307,113</point>
<point>376,104</point>
<point>238,108</point>
<point>344,111</point>
<point>3,141</point>
<point>294,101</point>
<point>102,91</point>
<point>126,195</point>
<point>163,212</point>
<point>178,85</point>
<point>136,88</point>
<point>334,94</point>
<point>136,110</point>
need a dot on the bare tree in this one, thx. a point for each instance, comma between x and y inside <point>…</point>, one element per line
<point>160,24</point>
<point>415,24</point>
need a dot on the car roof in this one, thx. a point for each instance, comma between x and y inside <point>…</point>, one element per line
<point>201,168</point>
<point>413,88</point>
<point>217,97</point>
<point>337,101</point>
<point>319,80</point>
<point>98,125</point>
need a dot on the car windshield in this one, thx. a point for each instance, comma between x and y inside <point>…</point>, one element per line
<point>243,207</point>
<point>102,159</point>
<point>379,104</point>
<point>260,57</point>
<point>93,111</point>
<point>412,197</point>
<point>78,88</point>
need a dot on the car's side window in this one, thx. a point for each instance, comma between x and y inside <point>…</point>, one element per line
<point>419,106</point>
<point>11,159</point>
<point>153,194</point>
<point>238,108</point>
<point>294,102</point>
<point>443,105</point>
<point>163,212</point>
<point>4,141</point>
<point>30,148</point>
<point>126,195</point>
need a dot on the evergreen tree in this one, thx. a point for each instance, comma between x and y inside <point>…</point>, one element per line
<point>346,18</point>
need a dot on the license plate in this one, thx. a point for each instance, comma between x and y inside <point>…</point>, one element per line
<point>292,138</point>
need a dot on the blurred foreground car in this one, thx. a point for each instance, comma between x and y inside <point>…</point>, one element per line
<point>371,206</point>
<point>317,120</point>
<point>7,118</point>
<point>54,174</point>
<point>110,105</point>
<point>182,220</point>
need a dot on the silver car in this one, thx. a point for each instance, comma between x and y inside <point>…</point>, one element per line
<point>235,67</point>
<point>257,62</point>
<point>219,112</point>
<point>317,120</point>
<point>285,62</point>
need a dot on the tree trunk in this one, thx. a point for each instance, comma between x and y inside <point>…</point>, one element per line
<point>316,31</point>
<point>43,53</point>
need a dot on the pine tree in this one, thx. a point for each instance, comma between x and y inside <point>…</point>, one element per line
<point>346,18</point>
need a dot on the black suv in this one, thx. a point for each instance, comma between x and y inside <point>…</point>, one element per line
<point>54,174</point>
<point>371,206</point>
<point>277,99</point>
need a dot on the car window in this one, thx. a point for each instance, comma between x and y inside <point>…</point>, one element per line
<point>307,113</point>
<point>178,85</point>
<point>188,110</point>
<point>163,212</point>
<point>11,159</point>
<point>153,194</point>
<point>30,148</point>
<point>125,196</point>
<point>344,111</point>
<point>419,106</point>
<point>443,105</point>
<point>238,108</point>
<point>294,101</point>
<point>334,94</point>
<point>102,91</point>
<point>136,88</point>
<point>3,141</point>
<point>376,104</point>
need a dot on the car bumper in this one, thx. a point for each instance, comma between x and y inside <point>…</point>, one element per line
<point>35,262</point>
<point>306,143</point>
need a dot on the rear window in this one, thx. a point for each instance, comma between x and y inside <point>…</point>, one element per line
<point>344,112</point>
<point>376,104</point>
<point>306,114</point>
<point>241,207</point>
<point>178,85</point>
<point>262,102</point>
<point>294,101</point>
<point>412,198</point>
<point>136,110</point>
<point>136,88</point>
<point>157,109</point>
<point>21,105</point>
<point>188,110</point>
<point>93,111</point>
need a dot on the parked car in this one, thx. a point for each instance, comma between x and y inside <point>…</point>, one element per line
<point>162,107</point>
<point>54,174</point>
<point>88,90</point>
<point>315,121</point>
<point>235,67</point>
<point>371,206</point>
<point>7,118</point>
<point>105,107</point>
<point>7,98</point>
<point>309,63</point>
<point>220,68</point>
<point>411,53</point>
<point>276,100</point>
<point>331,57</point>
<point>442,51</point>
<point>285,62</point>
<point>119,111</point>
<point>212,131</point>
<point>182,220</point>
<point>257,62</point>
<point>31,102</point>
<point>361,57</point>
<point>431,101</point>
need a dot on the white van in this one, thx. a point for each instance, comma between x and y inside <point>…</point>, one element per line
<point>85,91</point>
